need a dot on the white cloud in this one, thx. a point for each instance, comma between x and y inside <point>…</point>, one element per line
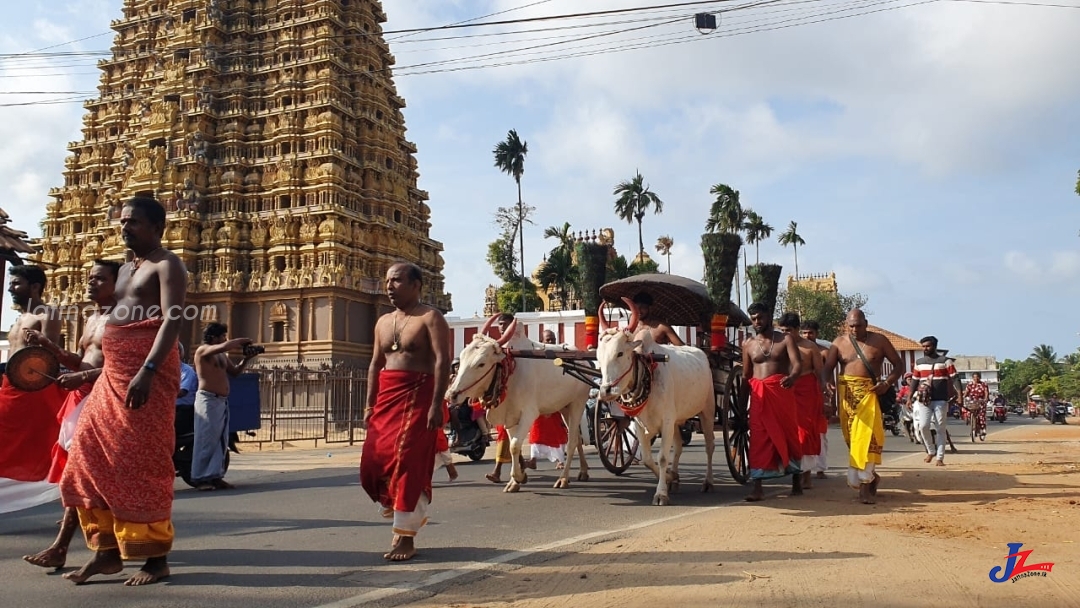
<point>1056,268</point>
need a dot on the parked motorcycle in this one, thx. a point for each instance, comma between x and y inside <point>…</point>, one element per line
<point>1000,413</point>
<point>467,439</point>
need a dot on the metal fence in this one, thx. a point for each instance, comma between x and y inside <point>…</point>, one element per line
<point>310,405</point>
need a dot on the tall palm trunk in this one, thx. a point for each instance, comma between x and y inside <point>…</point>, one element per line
<point>641,242</point>
<point>796,245</point>
<point>521,244</point>
<point>668,261</point>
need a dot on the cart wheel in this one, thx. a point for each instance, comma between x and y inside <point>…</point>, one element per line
<point>616,442</point>
<point>735,421</point>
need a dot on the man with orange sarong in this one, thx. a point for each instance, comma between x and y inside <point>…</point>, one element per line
<point>861,354</point>
<point>120,473</point>
<point>808,389</point>
<point>86,367</point>
<point>407,380</point>
<point>773,358</point>
<point>28,424</point>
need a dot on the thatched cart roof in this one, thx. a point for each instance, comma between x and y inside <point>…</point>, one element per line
<point>676,300</point>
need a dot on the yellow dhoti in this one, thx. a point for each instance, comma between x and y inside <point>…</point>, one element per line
<point>134,540</point>
<point>861,423</point>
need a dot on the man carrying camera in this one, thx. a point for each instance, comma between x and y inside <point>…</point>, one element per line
<point>213,367</point>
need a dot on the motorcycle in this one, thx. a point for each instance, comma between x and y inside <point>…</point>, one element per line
<point>467,438</point>
<point>244,417</point>
<point>1000,413</point>
<point>891,421</point>
<point>1057,412</point>
<point>907,419</point>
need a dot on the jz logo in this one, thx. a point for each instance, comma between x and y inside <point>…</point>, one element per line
<point>1016,566</point>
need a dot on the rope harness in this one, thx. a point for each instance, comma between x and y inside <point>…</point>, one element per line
<point>637,395</point>
<point>500,376</point>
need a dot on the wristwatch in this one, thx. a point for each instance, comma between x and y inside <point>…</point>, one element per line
<point>150,366</point>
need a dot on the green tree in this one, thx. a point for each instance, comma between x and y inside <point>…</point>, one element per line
<point>510,159</point>
<point>511,299</point>
<point>558,271</point>
<point>502,258</point>
<point>634,200</point>
<point>1078,183</point>
<point>792,237</point>
<point>1046,359</point>
<point>663,246</point>
<point>562,234</point>
<point>726,214</point>
<point>618,268</point>
<point>1016,377</point>
<point>757,230</point>
<point>827,308</point>
<point>643,267</point>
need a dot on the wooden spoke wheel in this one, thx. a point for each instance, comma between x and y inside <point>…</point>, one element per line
<point>616,440</point>
<point>734,404</point>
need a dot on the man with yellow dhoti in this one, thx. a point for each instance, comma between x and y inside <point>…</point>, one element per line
<point>860,354</point>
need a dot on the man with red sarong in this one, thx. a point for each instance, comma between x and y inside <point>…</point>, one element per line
<point>28,424</point>
<point>407,380</point>
<point>861,354</point>
<point>809,332</point>
<point>548,434</point>
<point>773,358</point>
<point>120,472</point>
<point>808,395</point>
<point>86,365</point>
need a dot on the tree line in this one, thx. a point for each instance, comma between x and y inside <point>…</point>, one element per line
<point>1043,373</point>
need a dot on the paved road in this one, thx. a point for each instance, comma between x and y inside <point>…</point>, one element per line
<point>310,538</point>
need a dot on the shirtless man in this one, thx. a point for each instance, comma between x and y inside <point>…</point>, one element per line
<point>808,394</point>
<point>86,364</point>
<point>27,288</point>
<point>857,384</point>
<point>407,380</point>
<point>809,331</point>
<point>661,332</point>
<point>775,364</point>
<point>126,511</point>
<point>213,367</point>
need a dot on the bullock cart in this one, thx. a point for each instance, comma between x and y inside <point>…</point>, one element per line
<point>677,301</point>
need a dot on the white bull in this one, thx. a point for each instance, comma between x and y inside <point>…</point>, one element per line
<point>534,388</point>
<point>679,389</point>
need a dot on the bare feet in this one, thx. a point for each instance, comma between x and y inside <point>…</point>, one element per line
<point>493,478</point>
<point>928,458</point>
<point>403,550</point>
<point>155,569</point>
<point>221,484</point>
<point>756,494</point>
<point>874,484</point>
<point>205,487</point>
<point>820,475</point>
<point>796,484</point>
<point>864,494</point>
<point>53,557</point>
<point>451,471</point>
<point>806,483</point>
<point>103,562</point>
<point>940,462</point>
<point>559,466</point>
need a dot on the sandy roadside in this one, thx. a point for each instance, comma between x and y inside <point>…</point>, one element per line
<point>931,540</point>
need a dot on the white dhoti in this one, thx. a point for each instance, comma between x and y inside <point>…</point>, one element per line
<point>408,523</point>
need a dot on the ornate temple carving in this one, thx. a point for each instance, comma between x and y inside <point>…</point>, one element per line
<point>278,154</point>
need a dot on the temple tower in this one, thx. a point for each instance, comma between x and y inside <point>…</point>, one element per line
<point>273,134</point>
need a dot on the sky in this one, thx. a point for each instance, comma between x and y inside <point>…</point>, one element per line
<point>928,151</point>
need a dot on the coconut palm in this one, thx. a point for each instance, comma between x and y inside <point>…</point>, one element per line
<point>1044,355</point>
<point>792,237</point>
<point>510,159</point>
<point>757,230</point>
<point>726,213</point>
<point>664,245</point>
<point>562,234</point>
<point>558,271</point>
<point>634,201</point>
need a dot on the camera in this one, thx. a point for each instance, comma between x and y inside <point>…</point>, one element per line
<point>254,349</point>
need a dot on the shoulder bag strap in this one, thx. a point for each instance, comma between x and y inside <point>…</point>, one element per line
<point>862,357</point>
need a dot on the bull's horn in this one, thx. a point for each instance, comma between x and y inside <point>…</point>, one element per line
<point>509,333</point>
<point>602,317</point>
<point>487,326</point>
<point>632,327</point>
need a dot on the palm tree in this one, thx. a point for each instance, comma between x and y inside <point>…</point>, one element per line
<point>634,200</point>
<point>510,159</point>
<point>1044,355</point>
<point>664,245</point>
<point>791,237</point>
<point>562,234</point>
<point>726,213</point>
<point>757,230</point>
<point>558,270</point>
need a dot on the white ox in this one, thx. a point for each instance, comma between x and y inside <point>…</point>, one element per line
<point>535,388</point>
<point>679,389</point>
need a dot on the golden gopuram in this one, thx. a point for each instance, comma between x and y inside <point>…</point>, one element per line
<point>272,132</point>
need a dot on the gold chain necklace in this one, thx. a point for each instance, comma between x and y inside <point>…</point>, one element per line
<point>138,261</point>
<point>397,336</point>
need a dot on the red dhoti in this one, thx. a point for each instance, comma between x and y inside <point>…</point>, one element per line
<point>810,405</point>
<point>120,472</point>
<point>774,432</point>
<point>398,458</point>
<point>68,417</point>
<point>28,431</point>
<point>548,437</point>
